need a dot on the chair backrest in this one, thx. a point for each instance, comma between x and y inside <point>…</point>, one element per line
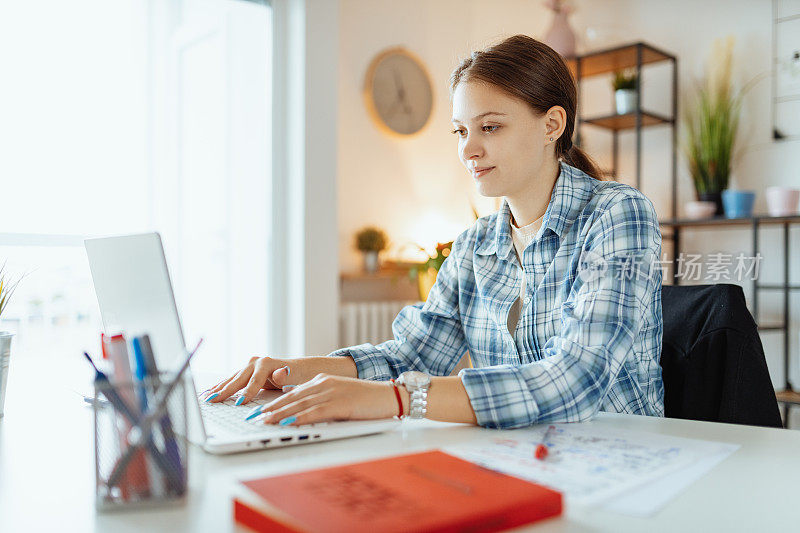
<point>712,359</point>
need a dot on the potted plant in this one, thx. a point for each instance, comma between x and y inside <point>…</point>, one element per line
<point>7,289</point>
<point>426,271</point>
<point>371,241</point>
<point>711,120</point>
<point>625,98</point>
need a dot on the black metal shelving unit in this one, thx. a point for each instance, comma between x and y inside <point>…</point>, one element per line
<point>637,55</point>
<point>787,396</point>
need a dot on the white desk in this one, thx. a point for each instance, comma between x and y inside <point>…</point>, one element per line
<point>47,470</point>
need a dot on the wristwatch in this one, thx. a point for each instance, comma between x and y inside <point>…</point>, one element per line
<point>417,385</point>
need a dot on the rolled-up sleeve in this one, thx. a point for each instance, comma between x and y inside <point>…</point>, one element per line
<point>428,336</point>
<point>605,311</point>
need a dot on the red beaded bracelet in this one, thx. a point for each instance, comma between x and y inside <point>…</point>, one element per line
<point>399,401</point>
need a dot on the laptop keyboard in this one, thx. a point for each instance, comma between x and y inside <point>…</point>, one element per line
<point>229,418</point>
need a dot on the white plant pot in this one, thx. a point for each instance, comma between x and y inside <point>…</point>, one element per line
<point>5,357</point>
<point>782,201</point>
<point>700,210</point>
<point>371,262</point>
<point>625,100</point>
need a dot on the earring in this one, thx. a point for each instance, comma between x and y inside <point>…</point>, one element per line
<point>551,139</point>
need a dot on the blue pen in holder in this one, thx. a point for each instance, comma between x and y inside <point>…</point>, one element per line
<point>140,445</point>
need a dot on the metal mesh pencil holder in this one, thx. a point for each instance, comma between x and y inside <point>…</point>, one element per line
<point>140,446</point>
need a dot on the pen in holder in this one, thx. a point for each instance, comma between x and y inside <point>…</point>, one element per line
<point>140,445</point>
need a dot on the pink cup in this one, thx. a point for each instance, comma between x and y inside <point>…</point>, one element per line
<point>782,201</point>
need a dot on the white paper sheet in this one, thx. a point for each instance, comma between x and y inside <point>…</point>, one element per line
<point>591,465</point>
<point>649,499</point>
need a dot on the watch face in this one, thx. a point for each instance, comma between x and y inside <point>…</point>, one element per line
<point>416,379</point>
<point>399,92</point>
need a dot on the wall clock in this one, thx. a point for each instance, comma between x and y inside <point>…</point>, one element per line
<point>398,92</point>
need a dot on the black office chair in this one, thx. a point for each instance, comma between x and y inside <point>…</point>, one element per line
<point>712,359</point>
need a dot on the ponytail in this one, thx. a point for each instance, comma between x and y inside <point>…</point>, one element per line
<point>579,159</point>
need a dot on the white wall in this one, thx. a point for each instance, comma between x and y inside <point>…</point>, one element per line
<point>400,184</point>
<point>414,188</point>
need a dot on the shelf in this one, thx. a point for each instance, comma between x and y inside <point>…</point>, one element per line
<point>777,287</point>
<point>379,275</point>
<point>387,270</point>
<point>390,283</point>
<point>627,121</point>
<point>614,59</point>
<point>788,396</point>
<point>771,327</point>
<point>722,221</point>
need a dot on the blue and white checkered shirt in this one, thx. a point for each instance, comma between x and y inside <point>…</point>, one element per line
<point>590,330</point>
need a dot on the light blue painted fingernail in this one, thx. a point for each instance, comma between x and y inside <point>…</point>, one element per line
<point>254,413</point>
<point>288,370</point>
<point>239,401</point>
<point>287,421</point>
<point>212,397</point>
<point>287,388</point>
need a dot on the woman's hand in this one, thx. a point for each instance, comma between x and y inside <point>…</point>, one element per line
<point>260,373</point>
<point>270,373</point>
<point>326,398</point>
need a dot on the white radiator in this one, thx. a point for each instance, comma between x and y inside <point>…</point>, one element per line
<point>361,322</point>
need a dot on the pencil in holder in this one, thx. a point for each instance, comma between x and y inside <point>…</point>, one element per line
<point>140,445</point>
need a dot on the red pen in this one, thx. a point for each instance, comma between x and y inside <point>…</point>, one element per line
<point>103,345</point>
<point>541,448</point>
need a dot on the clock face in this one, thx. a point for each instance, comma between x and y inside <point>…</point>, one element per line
<point>398,92</point>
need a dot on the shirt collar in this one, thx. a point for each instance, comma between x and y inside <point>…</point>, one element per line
<point>569,195</point>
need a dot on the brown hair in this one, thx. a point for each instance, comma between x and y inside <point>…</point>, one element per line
<point>532,71</point>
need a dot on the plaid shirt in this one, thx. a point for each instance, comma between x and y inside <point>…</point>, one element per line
<point>590,330</point>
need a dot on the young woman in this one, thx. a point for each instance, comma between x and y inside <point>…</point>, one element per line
<point>557,296</point>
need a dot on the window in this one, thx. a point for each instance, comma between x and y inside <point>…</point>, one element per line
<point>128,116</point>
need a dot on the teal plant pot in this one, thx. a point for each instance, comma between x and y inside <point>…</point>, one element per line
<point>738,204</point>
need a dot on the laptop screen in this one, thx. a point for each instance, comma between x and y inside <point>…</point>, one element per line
<point>134,293</point>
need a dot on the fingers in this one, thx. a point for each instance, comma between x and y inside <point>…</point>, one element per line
<point>291,395</point>
<point>216,388</point>
<point>212,387</point>
<point>322,412</point>
<point>233,385</point>
<point>263,368</point>
<point>280,376</point>
<point>312,407</point>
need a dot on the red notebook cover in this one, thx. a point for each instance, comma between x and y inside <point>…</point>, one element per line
<point>429,491</point>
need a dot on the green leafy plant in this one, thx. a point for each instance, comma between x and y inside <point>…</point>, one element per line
<point>7,288</point>
<point>624,80</point>
<point>712,121</point>
<point>426,272</point>
<point>443,249</point>
<point>371,239</point>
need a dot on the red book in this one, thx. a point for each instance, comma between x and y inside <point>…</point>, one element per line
<point>429,491</point>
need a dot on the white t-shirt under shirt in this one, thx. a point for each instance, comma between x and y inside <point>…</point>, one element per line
<point>521,237</point>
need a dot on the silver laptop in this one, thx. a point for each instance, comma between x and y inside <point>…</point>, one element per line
<point>133,288</point>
